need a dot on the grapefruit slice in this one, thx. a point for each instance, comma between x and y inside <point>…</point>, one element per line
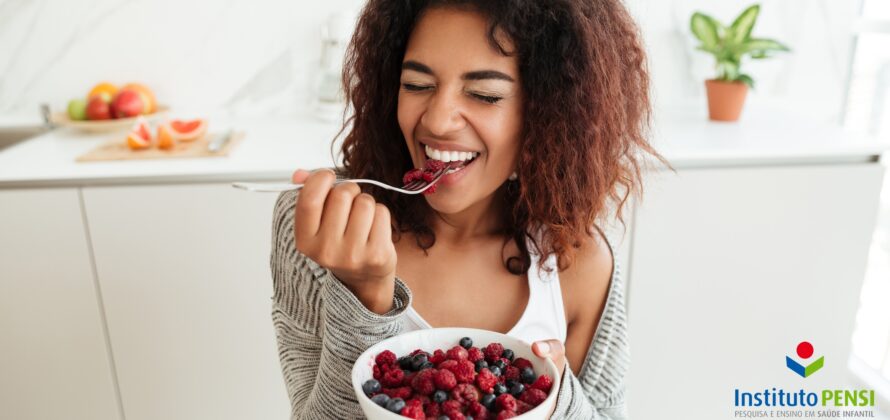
<point>166,137</point>
<point>140,137</point>
<point>191,130</point>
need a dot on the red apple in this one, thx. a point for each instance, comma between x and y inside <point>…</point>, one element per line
<point>98,109</point>
<point>127,103</point>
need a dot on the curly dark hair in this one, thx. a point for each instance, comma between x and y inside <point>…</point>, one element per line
<point>586,116</point>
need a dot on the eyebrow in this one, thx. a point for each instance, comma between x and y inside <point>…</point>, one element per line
<point>473,75</point>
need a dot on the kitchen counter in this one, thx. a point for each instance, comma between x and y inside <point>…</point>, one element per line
<point>273,148</point>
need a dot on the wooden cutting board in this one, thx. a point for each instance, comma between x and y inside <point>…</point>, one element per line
<point>117,149</point>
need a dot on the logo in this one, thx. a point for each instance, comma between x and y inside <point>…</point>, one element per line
<point>804,351</point>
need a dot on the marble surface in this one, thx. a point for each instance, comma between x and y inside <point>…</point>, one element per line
<point>260,57</point>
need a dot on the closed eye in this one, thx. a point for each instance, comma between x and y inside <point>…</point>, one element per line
<point>484,98</point>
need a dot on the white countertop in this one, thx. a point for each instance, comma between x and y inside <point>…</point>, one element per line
<point>273,148</point>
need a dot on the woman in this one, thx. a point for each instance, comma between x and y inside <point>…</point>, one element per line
<point>548,101</point>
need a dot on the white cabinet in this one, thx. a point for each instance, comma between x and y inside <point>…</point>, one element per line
<point>54,362</point>
<point>731,268</point>
<point>184,271</point>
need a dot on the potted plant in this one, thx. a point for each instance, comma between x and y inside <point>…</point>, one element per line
<point>729,45</point>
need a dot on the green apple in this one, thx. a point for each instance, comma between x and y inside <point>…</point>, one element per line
<point>77,109</point>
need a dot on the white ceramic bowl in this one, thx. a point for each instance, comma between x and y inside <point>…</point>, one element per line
<point>446,338</point>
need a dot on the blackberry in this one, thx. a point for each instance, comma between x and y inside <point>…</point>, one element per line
<point>481,364</point>
<point>395,405</point>
<point>418,360</point>
<point>466,342</point>
<point>499,389</point>
<point>495,370</point>
<point>488,401</point>
<point>440,396</point>
<point>517,389</point>
<point>507,354</point>
<point>380,399</point>
<point>527,375</point>
<point>370,387</point>
<point>501,364</point>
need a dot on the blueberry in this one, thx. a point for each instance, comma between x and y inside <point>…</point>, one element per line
<point>495,370</point>
<point>395,405</point>
<point>481,364</point>
<point>405,362</point>
<point>380,399</point>
<point>418,360</point>
<point>466,342</point>
<point>527,375</point>
<point>440,396</point>
<point>371,386</point>
<point>507,354</point>
<point>510,382</point>
<point>517,389</point>
<point>468,417</point>
<point>500,363</point>
<point>488,401</point>
<point>499,388</point>
<point>427,365</point>
<point>444,417</point>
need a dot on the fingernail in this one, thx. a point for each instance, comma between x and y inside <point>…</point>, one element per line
<point>544,347</point>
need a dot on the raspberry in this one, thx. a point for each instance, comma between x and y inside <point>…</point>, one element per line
<point>486,380</point>
<point>493,352</point>
<point>448,364</point>
<point>522,363</point>
<point>511,372</point>
<point>523,407</point>
<point>433,165</point>
<point>411,176</point>
<point>478,411</point>
<point>419,351</point>
<point>402,392</point>
<point>465,394</point>
<point>422,383</point>
<point>414,409</point>
<point>437,357</point>
<point>451,407</point>
<point>385,358</point>
<point>457,416</point>
<point>544,383</point>
<point>507,414</point>
<point>457,353</point>
<point>444,379</point>
<point>393,378</point>
<point>464,371</point>
<point>506,402</point>
<point>431,189</point>
<point>533,396</point>
<point>432,409</point>
<point>427,176</point>
<point>474,354</point>
<point>378,372</point>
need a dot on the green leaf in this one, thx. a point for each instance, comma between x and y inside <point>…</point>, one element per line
<point>760,46</point>
<point>705,28</point>
<point>744,78</point>
<point>741,28</point>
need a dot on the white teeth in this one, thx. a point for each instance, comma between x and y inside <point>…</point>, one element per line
<point>449,155</point>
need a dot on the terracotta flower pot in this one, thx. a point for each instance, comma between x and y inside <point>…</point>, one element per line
<point>725,99</point>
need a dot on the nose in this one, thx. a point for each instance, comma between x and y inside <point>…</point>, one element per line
<point>443,114</point>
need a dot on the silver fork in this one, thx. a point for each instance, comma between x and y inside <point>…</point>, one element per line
<point>414,187</point>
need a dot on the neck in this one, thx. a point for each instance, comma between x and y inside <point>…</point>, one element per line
<point>482,219</point>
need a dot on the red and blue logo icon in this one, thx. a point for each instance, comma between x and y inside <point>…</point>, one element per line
<point>804,351</point>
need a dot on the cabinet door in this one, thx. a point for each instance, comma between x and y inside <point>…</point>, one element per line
<point>54,362</point>
<point>185,276</point>
<point>731,269</point>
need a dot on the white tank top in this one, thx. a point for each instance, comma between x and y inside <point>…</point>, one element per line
<point>544,317</point>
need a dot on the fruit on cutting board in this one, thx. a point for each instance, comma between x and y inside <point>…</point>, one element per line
<point>127,103</point>
<point>98,108</point>
<point>166,139</point>
<point>77,109</point>
<point>140,137</point>
<point>188,130</point>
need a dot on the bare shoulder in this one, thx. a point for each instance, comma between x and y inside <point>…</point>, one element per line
<point>586,282</point>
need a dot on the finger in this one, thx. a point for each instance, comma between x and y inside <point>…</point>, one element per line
<point>552,349</point>
<point>361,218</point>
<point>381,231</point>
<point>310,204</point>
<point>336,210</point>
<point>299,176</point>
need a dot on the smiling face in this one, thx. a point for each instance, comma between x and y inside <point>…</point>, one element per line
<point>460,99</point>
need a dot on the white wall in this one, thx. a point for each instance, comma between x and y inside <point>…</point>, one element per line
<point>258,56</point>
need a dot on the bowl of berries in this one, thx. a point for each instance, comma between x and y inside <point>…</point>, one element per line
<point>454,374</point>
